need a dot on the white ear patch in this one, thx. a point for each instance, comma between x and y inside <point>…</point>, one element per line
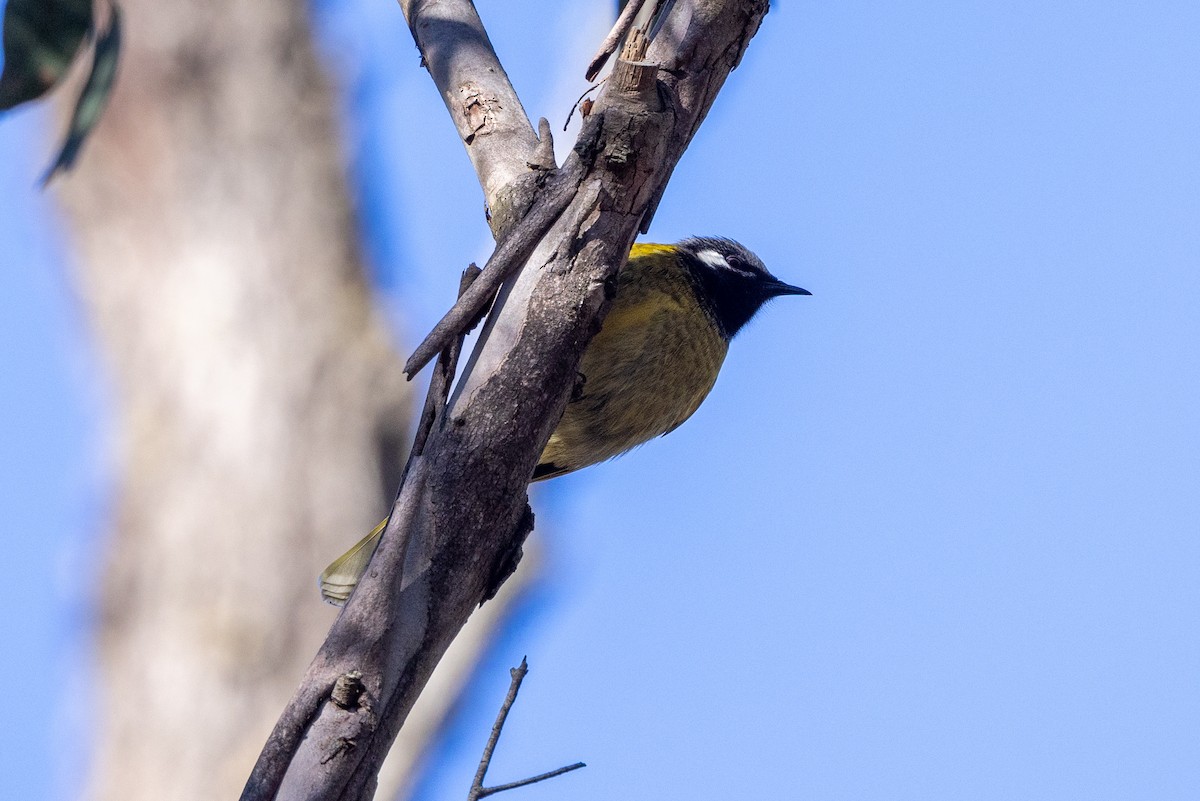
<point>713,259</point>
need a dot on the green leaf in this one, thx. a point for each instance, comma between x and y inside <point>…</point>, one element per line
<point>94,97</point>
<point>41,37</point>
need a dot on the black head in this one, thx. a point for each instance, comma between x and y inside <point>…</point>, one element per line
<point>732,282</point>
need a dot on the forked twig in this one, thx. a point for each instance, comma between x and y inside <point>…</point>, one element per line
<point>478,791</point>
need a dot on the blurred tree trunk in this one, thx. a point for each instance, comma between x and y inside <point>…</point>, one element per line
<point>258,403</point>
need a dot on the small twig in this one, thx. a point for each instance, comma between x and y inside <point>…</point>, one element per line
<point>478,791</point>
<point>443,377</point>
<point>499,788</point>
<point>518,676</point>
<point>508,256</point>
<point>613,40</point>
<point>574,106</point>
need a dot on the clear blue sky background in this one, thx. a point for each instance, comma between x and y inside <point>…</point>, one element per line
<point>935,533</point>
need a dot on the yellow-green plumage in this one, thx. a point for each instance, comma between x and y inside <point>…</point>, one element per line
<point>654,360</point>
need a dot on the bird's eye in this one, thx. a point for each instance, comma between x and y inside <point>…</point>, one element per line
<point>734,262</point>
<point>739,265</point>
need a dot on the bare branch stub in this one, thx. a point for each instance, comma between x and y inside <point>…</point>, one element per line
<point>633,75</point>
<point>613,40</point>
<point>347,689</point>
<point>543,155</point>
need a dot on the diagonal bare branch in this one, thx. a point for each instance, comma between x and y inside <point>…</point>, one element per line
<point>461,517</point>
<point>486,110</point>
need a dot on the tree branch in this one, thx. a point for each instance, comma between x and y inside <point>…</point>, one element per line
<point>490,119</point>
<point>460,518</point>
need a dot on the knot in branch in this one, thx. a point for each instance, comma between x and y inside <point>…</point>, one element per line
<point>348,689</point>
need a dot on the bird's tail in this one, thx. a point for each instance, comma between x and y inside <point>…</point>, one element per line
<point>341,577</point>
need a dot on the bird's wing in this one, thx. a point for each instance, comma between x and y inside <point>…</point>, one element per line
<point>341,577</point>
<point>550,470</point>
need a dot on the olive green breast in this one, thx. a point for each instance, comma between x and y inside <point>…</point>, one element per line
<point>653,362</point>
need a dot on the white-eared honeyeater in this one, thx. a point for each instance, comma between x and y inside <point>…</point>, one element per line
<point>653,362</point>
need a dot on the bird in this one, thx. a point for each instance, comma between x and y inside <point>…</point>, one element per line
<point>653,362</point>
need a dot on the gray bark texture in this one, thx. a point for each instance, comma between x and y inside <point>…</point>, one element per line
<point>458,524</point>
<point>259,408</point>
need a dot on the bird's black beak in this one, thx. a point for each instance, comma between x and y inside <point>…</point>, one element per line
<point>777,288</point>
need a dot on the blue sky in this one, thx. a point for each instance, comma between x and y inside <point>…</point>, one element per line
<point>935,533</point>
